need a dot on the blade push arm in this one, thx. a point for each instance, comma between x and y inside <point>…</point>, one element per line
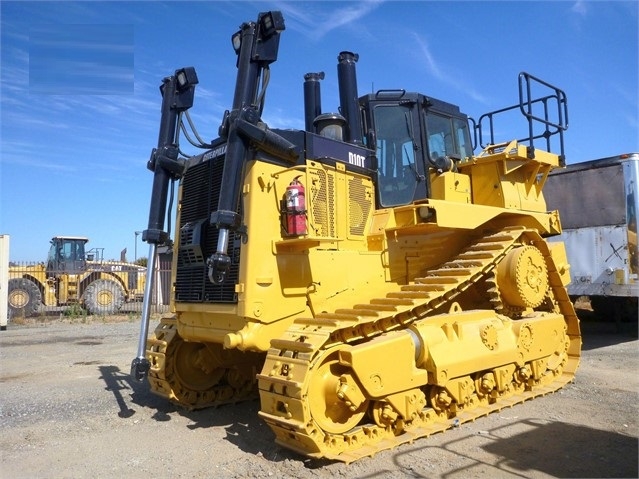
<point>177,96</point>
<point>256,44</point>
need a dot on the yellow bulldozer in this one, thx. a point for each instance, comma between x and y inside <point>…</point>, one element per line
<point>73,275</point>
<point>371,278</point>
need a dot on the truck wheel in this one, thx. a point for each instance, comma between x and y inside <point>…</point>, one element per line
<point>619,308</point>
<point>24,297</point>
<point>602,306</point>
<point>103,296</point>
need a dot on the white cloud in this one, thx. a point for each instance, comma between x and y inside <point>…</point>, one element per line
<point>317,24</point>
<point>440,73</point>
<point>580,7</point>
<point>278,118</point>
<point>428,56</point>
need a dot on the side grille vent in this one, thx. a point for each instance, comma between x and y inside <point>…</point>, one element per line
<point>192,242</point>
<point>198,239</point>
<point>323,202</point>
<point>359,206</point>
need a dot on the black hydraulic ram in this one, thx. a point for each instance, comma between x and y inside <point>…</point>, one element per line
<point>256,45</point>
<point>177,97</point>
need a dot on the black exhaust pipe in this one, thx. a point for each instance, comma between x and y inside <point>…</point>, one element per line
<point>312,99</point>
<point>348,97</point>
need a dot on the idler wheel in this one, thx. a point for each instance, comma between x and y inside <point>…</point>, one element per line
<point>522,277</point>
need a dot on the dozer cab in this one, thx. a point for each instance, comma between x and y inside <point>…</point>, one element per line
<point>370,277</point>
<point>73,275</point>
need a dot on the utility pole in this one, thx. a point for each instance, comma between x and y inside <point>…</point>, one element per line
<point>137,233</point>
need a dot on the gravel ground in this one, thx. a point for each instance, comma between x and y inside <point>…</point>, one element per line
<point>69,409</point>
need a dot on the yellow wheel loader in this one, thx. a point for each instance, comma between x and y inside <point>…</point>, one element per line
<point>371,278</point>
<point>73,275</point>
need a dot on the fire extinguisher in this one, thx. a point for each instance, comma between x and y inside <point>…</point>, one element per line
<point>295,208</point>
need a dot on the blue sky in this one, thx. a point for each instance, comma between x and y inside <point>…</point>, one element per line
<point>80,102</point>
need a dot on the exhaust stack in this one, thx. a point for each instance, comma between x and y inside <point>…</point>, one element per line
<point>312,99</point>
<point>348,97</point>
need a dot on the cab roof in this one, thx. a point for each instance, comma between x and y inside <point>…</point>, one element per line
<point>81,238</point>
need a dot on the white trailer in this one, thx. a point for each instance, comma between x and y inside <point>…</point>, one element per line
<point>4,280</point>
<point>598,203</point>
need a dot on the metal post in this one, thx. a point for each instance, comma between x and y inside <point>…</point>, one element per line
<point>137,233</point>
<point>4,281</point>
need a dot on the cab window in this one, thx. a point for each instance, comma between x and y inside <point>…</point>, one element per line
<point>464,144</point>
<point>447,137</point>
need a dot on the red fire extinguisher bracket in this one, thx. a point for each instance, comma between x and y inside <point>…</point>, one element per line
<point>296,208</point>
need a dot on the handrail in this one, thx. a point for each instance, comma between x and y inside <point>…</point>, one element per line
<point>529,108</point>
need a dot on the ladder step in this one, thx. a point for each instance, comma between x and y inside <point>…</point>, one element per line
<point>476,255</point>
<point>434,280</point>
<point>463,264</point>
<point>393,301</point>
<point>357,312</point>
<point>376,307</point>
<point>408,295</point>
<point>423,288</point>
<point>337,316</point>
<point>493,245</point>
<point>445,271</point>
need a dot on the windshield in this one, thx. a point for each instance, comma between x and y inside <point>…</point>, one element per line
<point>66,250</point>
<point>395,154</point>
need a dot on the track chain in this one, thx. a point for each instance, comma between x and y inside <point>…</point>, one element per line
<point>228,385</point>
<point>293,359</point>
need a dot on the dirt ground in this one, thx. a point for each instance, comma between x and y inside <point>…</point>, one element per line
<point>69,409</point>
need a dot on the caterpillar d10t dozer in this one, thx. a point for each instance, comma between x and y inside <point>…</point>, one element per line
<point>370,277</point>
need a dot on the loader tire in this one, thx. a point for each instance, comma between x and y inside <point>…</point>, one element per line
<point>103,296</point>
<point>24,298</point>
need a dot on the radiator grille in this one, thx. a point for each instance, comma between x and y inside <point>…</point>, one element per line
<point>198,239</point>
